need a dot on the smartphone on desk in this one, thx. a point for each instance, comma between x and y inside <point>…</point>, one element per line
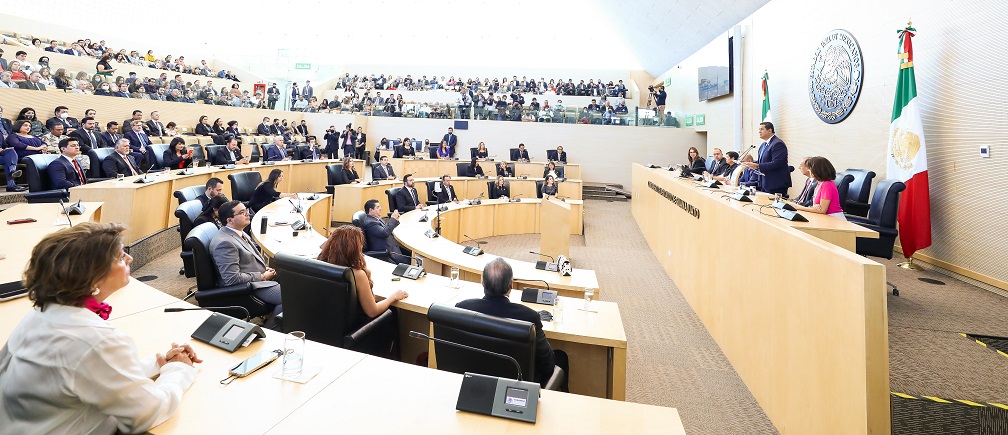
<point>256,362</point>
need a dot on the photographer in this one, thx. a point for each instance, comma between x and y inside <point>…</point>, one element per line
<point>658,95</point>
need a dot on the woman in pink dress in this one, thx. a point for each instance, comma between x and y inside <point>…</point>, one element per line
<point>826,199</point>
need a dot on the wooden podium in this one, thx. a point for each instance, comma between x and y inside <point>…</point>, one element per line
<point>554,225</point>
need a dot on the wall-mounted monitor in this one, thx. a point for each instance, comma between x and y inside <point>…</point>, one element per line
<point>716,81</point>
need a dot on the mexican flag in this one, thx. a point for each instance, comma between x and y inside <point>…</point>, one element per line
<point>907,155</point>
<point>767,116</point>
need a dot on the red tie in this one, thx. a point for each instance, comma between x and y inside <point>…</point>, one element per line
<point>132,169</point>
<point>79,173</point>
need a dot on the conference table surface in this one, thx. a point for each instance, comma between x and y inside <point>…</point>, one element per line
<point>18,239</point>
<point>426,167</point>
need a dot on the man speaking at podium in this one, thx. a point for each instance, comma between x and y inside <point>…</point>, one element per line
<point>775,177</point>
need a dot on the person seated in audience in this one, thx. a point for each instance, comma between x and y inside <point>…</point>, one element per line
<point>233,129</point>
<point>447,192</point>
<point>27,114</point>
<point>500,188</point>
<point>474,169</point>
<point>64,352</point>
<point>219,129</point>
<point>171,129</point>
<point>481,151</point>
<point>349,171</point>
<point>377,233</point>
<point>549,187</point>
<point>120,162</point>
<point>6,82</point>
<point>53,137</point>
<point>551,170</point>
<point>718,166</point>
<point>230,154</point>
<point>87,138</point>
<point>203,127</point>
<point>17,73</point>
<point>443,152</point>
<point>807,193</point>
<point>621,108</point>
<point>178,155</point>
<point>210,210</point>
<point>238,258</point>
<point>265,129</point>
<point>214,187</point>
<point>523,155</point>
<point>110,136</point>
<point>23,141</point>
<point>503,170</point>
<point>407,199</point>
<point>406,150</point>
<point>730,171</point>
<point>53,47</point>
<point>277,151</point>
<point>383,170</point>
<point>695,162</point>
<point>345,247</point>
<point>497,283</point>
<point>46,77</point>
<point>826,199</point>
<point>123,91</point>
<point>33,83</point>
<point>65,172</point>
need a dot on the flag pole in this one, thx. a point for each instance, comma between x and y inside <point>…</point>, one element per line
<point>909,264</point>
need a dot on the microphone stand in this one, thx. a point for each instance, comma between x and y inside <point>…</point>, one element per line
<point>423,336</point>
<point>224,307</point>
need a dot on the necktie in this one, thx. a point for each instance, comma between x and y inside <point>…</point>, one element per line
<point>128,163</point>
<point>3,131</point>
<point>80,174</point>
<point>248,243</point>
<point>762,150</point>
<point>413,194</point>
<point>94,143</point>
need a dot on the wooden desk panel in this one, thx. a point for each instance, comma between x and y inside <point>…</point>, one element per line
<point>350,198</point>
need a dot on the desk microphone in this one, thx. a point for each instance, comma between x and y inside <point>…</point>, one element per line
<point>299,224</point>
<point>314,194</point>
<point>143,179</point>
<point>542,265</point>
<point>538,296</point>
<point>66,212</point>
<point>516,198</point>
<point>472,250</point>
<point>188,168</point>
<point>746,152</point>
<point>238,308</point>
<point>423,336</point>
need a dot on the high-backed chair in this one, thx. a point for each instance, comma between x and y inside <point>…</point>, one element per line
<point>515,338</point>
<point>559,171</point>
<point>843,181</point>
<point>197,154</point>
<point>432,151</point>
<point>392,203</point>
<point>211,152</point>
<point>539,185</point>
<point>243,184</point>
<point>98,156</point>
<point>856,201</point>
<point>334,177</point>
<point>254,155</point>
<point>472,152</point>
<point>551,155</point>
<point>514,154</point>
<point>462,169</point>
<point>189,193</point>
<point>431,196</point>
<point>155,155</point>
<point>187,212</point>
<point>39,185</point>
<point>321,299</point>
<point>881,218</point>
<point>208,293</point>
<point>302,152</point>
<point>510,166</point>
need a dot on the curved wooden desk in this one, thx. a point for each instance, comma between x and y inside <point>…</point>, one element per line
<point>19,239</point>
<point>436,167</point>
<point>595,341</point>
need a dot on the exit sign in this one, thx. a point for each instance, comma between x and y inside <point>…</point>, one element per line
<point>302,66</point>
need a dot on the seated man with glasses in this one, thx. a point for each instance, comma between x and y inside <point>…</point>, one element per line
<point>238,258</point>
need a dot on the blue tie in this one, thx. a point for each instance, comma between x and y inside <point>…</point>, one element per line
<point>763,148</point>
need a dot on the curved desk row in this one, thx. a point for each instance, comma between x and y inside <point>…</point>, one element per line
<point>595,342</point>
<point>19,239</point>
<point>438,167</point>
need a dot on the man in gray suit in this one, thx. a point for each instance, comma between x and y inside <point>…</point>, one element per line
<point>238,258</point>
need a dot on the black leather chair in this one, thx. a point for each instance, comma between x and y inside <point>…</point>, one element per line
<point>302,152</point>
<point>551,155</point>
<point>321,299</point>
<point>186,214</point>
<point>856,201</point>
<point>211,152</point>
<point>207,292</point>
<point>514,338</point>
<point>255,155</point>
<point>39,186</point>
<point>431,196</point>
<point>386,256</point>
<point>472,152</point>
<point>155,155</point>
<point>98,156</point>
<point>539,185</point>
<point>432,151</point>
<point>392,203</point>
<point>514,154</point>
<point>843,181</point>
<point>262,148</point>
<point>559,171</point>
<point>197,153</point>
<point>243,184</point>
<point>510,166</point>
<point>334,175</point>
<point>189,193</point>
<point>881,218</point>
<point>462,169</point>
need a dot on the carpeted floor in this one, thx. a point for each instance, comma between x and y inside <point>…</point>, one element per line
<point>673,361</point>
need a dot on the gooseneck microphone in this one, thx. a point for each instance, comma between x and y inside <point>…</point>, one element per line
<point>423,336</point>
<point>542,265</point>
<point>66,212</point>
<point>544,255</point>
<point>300,224</point>
<point>533,279</point>
<point>237,308</point>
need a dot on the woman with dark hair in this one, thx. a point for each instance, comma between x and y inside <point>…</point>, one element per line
<point>826,199</point>
<point>503,170</point>
<point>23,142</point>
<point>62,80</point>
<point>68,368</point>
<point>28,115</point>
<point>203,127</point>
<point>549,187</point>
<point>104,68</point>
<point>218,127</point>
<point>500,188</point>
<point>266,192</point>
<point>345,247</point>
<point>695,162</point>
<point>177,156</point>
<point>551,170</point>
<point>474,168</point>
<point>209,213</point>
<point>443,152</point>
<point>349,172</point>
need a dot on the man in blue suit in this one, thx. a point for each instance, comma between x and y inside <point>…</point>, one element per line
<point>377,233</point>
<point>277,151</point>
<point>452,140</point>
<point>64,172</point>
<point>772,162</point>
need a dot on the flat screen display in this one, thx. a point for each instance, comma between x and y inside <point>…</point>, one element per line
<point>515,396</point>
<point>233,332</point>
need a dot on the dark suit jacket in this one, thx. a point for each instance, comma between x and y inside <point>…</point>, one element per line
<point>401,151</point>
<point>265,129</point>
<point>773,164</point>
<point>443,195</point>
<point>136,143</point>
<point>562,157</point>
<point>203,130</point>
<point>351,175</point>
<point>156,128</point>
<point>404,200</point>
<point>507,171</point>
<point>224,156</point>
<point>264,194</point>
<point>275,154</point>
<point>720,165</point>
<point>27,84</point>
<point>807,194</point>
<point>522,155</point>
<point>63,175</point>
<point>85,141</point>
<point>106,139</point>
<point>114,165</point>
<point>497,192</point>
<point>379,172</point>
<point>698,166</point>
<point>68,123</point>
<point>452,141</point>
<point>500,306</point>
<point>172,161</point>
<point>377,235</point>
<point>7,125</point>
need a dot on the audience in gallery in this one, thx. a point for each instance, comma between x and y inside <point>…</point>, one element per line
<point>512,85</point>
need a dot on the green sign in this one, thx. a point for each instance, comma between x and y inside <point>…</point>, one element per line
<point>701,119</point>
<point>689,120</point>
<point>302,66</point>
<point>668,81</point>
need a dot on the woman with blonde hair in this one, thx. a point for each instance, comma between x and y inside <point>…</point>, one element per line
<point>345,247</point>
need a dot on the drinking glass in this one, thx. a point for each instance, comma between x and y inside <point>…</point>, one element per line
<point>778,197</point>
<point>293,360</point>
<point>589,293</point>
<point>455,283</point>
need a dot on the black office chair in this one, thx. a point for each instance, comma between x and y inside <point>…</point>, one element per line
<point>334,176</point>
<point>559,171</point>
<point>321,299</point>
<point>189,193</point>
<point>208,293</point>
<point>472,152</point>
<point>187,212</point>
<point>843,181</point>
<point>881,218</point>
<point>98,156</point>
<point>197,153</point>
<point>39,185</point>
<point>155,155</point>
<point>262,148</point>
<point>392,203</point>
<point>243,184</point>
<point>514,338</point>
<point>301,152</point>
<point>211,152</point>
<point>254,154</point>
<point>432,151</point>
<point>539,185</point>
<point>514,154</point>
<point>462,170</point>
<point>510,166</point>
<point>856,201</point>
<point>431,195</point>
<point>551,155</point>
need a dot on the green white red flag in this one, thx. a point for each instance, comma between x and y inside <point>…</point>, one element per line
<point>767,115</point>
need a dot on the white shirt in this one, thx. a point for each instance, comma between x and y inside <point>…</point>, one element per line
<point>65,370</point>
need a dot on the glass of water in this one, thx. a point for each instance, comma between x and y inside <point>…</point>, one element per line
<point>293,360</point>
<point>589,293</point>
<point>455,283</point>
<point>778,197</point>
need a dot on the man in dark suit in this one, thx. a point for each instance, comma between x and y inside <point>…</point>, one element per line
<point>33,82</point>
<point>348,141</point>
<point>447,193</point>
<point>214,187</point>
<point>110,136</point>
<point>451,139</point>
<point>238,259</point>
<point>138,140</point>
<point>407,199</point>
<point>718,163</point>
<point>772,162</point>
<point>230,154</point>
<point>307,91</point>
<point>383,170</point>
<point>378,234</point>
<point>302,128</point>
<point>120,162</point>
<point>265,128</point>
<point>65,172</point>
<point>63,115</point>
<point>87,138</point>
<point>52,48</point>
<point>497,276</point>
<point>137,116</point>
<point>277,151</point>
<point>154,126</point>
<point>522,154</point>
<point>808,192</point>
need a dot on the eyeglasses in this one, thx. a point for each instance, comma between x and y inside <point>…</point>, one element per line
<point>244,212</point>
